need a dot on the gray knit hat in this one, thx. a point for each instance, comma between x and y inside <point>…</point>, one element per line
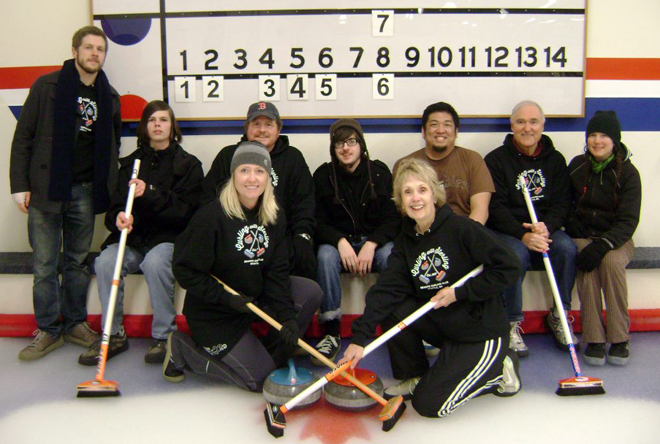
<point>253,153</point>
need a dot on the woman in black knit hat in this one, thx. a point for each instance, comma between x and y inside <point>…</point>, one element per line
<point>607,196</point>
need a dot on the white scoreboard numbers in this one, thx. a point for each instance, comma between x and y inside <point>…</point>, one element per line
<point>365,58</point>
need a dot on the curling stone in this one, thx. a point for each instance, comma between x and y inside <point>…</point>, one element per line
<point>343,395</point>
<point>284,384</point>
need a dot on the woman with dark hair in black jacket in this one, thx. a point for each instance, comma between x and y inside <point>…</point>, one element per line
<point>607,197</point>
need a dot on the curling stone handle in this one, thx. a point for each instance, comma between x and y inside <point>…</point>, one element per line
<point>293,376</point>
<point>311,350</point>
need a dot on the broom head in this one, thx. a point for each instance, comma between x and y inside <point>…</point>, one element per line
<point>580,385</point>
<point>97,388</point>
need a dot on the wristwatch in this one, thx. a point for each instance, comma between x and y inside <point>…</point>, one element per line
<point>305,236</point>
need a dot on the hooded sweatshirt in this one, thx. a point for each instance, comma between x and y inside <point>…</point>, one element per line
<point>546,176</point>
<point>422,264</point>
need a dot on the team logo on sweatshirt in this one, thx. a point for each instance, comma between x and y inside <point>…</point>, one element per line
<point>430,268</point>
<point>535,181</point>
<point>253,241</point>
<point>88,112</point>
<point>274,178</point>
<point>216,349</point>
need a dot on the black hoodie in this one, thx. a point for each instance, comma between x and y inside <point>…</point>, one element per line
<point>421,265</point>
<point>547,178</point>
<point>290,176</point>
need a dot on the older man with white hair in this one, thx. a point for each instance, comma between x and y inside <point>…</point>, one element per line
<point>530,155</point>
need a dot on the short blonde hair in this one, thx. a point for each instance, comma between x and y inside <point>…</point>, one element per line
<point>232,207</point>
<point>424,172</point>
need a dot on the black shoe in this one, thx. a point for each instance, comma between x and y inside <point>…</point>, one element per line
<point>118,344</point>
<point>595,354</point>
<point>170,372</point>
<point>618,354</point>
<point>156,353</point>
<point>328,347</point>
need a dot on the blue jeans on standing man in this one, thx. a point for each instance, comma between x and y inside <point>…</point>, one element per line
<point>156,265</point>
<point>329,269</point>
<point>72,228</point>
<point>562,254</point>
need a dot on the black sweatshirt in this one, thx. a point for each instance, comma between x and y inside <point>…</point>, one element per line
<point>249,257</point>
<point>290,176</point>
<point>421,265</point>
<point>548,185</point>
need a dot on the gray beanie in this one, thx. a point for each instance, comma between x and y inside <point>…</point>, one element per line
<point>253,153</point>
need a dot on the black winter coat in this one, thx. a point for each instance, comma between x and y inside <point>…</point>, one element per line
<point>356,214</point>
<point>174,183</point>
<point>32,146</point>
<point>595,213</point>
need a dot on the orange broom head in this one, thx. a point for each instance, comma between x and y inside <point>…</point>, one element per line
<point>580,385</point>
<point>98,388</point>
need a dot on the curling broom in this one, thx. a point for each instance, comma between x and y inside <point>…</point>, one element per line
<point>579,384</point>
<point>392,409</point>
<point>99,387</point>
<point>275,419</point>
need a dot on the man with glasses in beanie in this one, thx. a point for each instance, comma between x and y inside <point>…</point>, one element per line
<point>290,176</point>
<point>357,222</point>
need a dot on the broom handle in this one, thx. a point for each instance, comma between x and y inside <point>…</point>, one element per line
<point>415,315</point>
<point>266,317</point>
<point>116,278</point>
<point>375,344</point>
<point>553,284</point>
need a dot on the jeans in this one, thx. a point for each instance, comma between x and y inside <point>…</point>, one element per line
<point>73,229</point>
<point>329,269</point>
<point>156,265</point>
<point>562,255</point>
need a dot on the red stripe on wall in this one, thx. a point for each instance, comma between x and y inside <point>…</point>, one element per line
<point>623,69</point>
<point>24,77</point>
<point>139,326</point>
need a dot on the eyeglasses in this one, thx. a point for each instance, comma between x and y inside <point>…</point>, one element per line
<point>349,142</point>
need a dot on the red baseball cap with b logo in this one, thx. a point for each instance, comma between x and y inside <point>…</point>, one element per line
<point>266,109</point>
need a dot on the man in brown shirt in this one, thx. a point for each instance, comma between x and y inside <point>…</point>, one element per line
<point>464,173</point>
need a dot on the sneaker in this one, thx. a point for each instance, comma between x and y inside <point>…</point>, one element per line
<point>329,347</point>
<point>511,382</point>
<point>516,342</point>
<point>618,354</point>
<point>82,334</point>
<point>595,354</point>
<point>118,344</point>
<point>404,388</point>
<point>156,353</point>
<point>42,344</point>
<point>554,325</point>
<point>170,372</point>
<point>430,350</point>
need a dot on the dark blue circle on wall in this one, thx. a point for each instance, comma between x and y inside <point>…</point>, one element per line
<point>126,31</point>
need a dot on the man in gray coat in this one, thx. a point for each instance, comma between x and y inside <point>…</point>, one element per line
<point>62,168</point>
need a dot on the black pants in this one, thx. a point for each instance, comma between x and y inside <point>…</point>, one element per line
<point>462,370</point>
<point>249,363</point>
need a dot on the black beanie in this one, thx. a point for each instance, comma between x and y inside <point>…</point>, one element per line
<point>605,122</point>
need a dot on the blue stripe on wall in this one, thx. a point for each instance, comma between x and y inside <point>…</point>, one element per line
<point>635,114</point>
